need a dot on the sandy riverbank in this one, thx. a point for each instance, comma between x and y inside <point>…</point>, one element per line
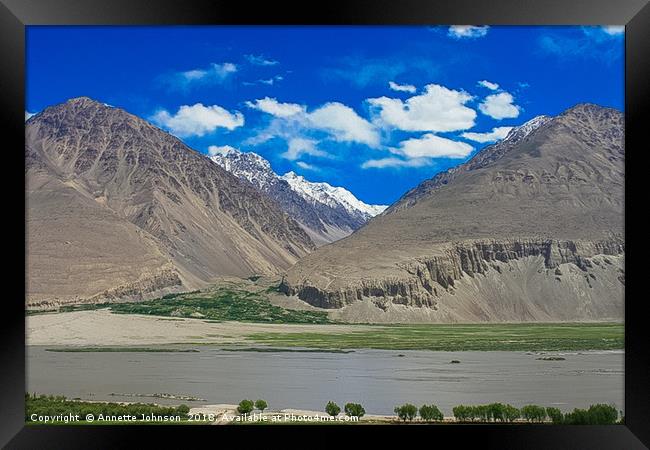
<point>101,327</point>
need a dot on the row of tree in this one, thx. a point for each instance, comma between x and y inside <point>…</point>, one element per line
<point>598,414</point>
<point>247,406</point>
<point>429,413</point>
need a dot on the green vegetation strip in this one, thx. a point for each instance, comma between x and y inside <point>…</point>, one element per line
<point>120,350</point>
<point>222,304</point>
<point>286,350</point>
<point>58,410</point>
<point>484,337</point>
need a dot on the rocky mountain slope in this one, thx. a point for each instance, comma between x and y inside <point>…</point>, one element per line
<point>117,208</point>
<point>530,229</point>
<point>326,213</point>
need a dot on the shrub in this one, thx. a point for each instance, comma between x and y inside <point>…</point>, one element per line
<point>182,410</point>
<point>245,406</point>
<point>261,404</point>
<point>354,410</point>
<point>332,409</point>
<point>533,413</point>
<point>430,413</point>
<point>406,412</point>
<point>555,415</point>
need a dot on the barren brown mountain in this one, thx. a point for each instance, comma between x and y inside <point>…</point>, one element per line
<point>530,229</point>
<point>117,208</point>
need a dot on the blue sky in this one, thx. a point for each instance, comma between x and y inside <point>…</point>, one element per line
<point>374,109</point>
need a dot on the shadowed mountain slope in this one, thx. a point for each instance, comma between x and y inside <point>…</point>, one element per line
<point>118,208</point>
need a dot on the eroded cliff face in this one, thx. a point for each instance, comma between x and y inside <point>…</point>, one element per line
<point>425,280</point>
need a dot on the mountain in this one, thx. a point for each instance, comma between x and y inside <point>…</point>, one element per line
<point>325,212</point>
<point>117,208</point>
<point>481,159</point>
<point>529,229</point>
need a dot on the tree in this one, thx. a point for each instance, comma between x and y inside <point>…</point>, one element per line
<point>261,404</point>
<point>182,410</point>
<point>555,415</point>
<point>406,412</point>
<point>332,409</point>
<point>495,411</point>
<point>354,410</point>
<point>245,406</point>
<point>461,413</point>
<point>601,414</point>
<point>511,413</point>
<point>430,413</point>
<point>533,413</point>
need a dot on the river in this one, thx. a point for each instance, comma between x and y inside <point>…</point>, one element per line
<point>378,379</point>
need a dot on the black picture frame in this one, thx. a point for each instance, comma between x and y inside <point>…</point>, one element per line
<point>634,14</point>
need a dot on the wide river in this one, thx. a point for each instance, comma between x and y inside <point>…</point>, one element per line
<point>377,379</point>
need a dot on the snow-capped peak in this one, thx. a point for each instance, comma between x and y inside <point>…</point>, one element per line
<point>246,165</point>
<point>330,195</point>
<point>520,132</point>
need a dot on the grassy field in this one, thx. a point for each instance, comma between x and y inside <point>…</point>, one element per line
<point>119,350</point>
<point>230,303</point>
<point>506,337</point>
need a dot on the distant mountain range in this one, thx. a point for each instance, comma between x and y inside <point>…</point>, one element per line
<point>326,213</point>
<point>529,229</point>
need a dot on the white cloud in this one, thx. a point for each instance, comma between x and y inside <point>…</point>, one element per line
<point>393,162</point>
<point>275,108</point>
<point>28,115</point>
<point>496,134</point>
<point>467,31</point>
<point>344,124</point>
<point>614,30</point>
<point>437,109</point>
<point>213,74</point>
<point>302,146</point>
<point>215,150</point>
<point>306,166</point>
<point>259,60</point>
<point>499,106</point>
<point>198,120</point>
<point>432,146</point>
<point>402,87</point>
<point>341,122</point>
<point>488,84</point>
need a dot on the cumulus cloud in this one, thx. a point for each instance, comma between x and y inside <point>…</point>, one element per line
<point>488,84</point>
<point>500,106</point>
<point>467,31</point>
<point>392,162</point>
<point>431,146</point>
<point>344,124</point>
<point>260,60</point>
<point>339,121</point>
<point>275,108</point>
<point>198,120</point>
<point>296,147</point>
<point>437,109</point>
<point>496,134</point>
<point>402,87</point>
<point>215,150</point>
